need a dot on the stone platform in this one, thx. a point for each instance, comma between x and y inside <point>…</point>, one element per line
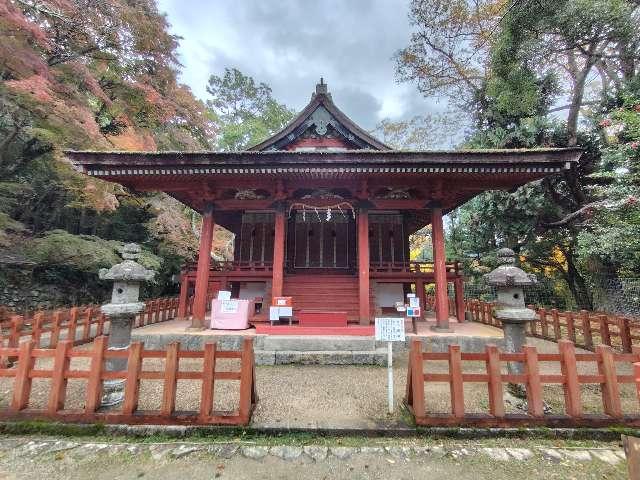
<point>318,349</point>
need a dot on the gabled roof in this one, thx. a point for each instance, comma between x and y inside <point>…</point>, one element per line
<point>320,113</point>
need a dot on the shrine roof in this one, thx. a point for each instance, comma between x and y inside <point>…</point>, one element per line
<point>560,158</point>
<point>317,117</point>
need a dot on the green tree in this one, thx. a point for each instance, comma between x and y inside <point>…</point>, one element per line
<point>246,113</point>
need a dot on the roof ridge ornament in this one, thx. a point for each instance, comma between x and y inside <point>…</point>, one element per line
<point>322,88</point>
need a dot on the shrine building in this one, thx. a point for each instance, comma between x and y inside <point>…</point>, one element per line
<point>322,212</point>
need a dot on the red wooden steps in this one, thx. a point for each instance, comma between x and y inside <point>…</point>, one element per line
<point>353,330</point>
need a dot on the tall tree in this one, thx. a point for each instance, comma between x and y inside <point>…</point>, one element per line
<point>246,112</point>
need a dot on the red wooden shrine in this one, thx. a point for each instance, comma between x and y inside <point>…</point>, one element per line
<point>322,212</point>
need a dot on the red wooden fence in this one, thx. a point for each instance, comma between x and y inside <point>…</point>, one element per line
<point>534,379</point>
<point>80,324</point>
<point>62,371</point>
<point>585,329</point>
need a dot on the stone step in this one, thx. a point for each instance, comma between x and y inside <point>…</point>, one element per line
<point>314,343</point>
<point>322,357</point>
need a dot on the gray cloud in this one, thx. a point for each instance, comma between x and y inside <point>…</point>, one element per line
<point>290,44</point>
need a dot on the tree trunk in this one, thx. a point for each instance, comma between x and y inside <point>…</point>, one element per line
<point>577,285</point>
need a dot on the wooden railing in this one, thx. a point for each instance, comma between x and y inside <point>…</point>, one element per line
<point>411,267</point>
<point>233,266</point>
<point>585,329</point>
<point>541,374</point>
<point>61,369</point>
<point>78,324</point>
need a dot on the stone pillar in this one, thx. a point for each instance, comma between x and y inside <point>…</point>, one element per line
<point>121,312</point>
<point>363,266</point>
<point>439,270</point>
<point>202,273</point>
<point>277,282</point>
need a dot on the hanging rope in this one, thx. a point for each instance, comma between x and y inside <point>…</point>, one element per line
<point>341,207</point>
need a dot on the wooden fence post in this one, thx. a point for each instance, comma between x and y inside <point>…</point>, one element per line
<point>571,387</point>
<point>94,383</point>
<point>86,327</point>
<point>494,370</point>
<point>610,388</point>
<point>100,328</point>
<point>636,375</point>
<point>535,403</point>
<point>22,382</point>
<point>58,391</point>
<point>625,334</point>
<point>571,326</point>
<point>586,329</point>
<point>54,336</point>
<point>72,325</point>
<point>417,378</point>
<point>208,379</point>
<point>132,381</point>
<point>555,317</point>
<point>36,328</point>
<point>171,366</point>
<point>246,379</point>
<point>605,334</point>
<point>544,328</point>
<point>149,306</point>
<point>455,381</point>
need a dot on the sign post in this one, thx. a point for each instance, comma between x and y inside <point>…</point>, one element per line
<point>390,329</point>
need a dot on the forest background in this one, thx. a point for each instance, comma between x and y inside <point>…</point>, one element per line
<point>103,74</point>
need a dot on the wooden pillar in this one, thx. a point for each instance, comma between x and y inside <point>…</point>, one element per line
<point>278,253</point>
<point>183,298</point>
<point>363,266</point>
<point>202,273</point>
<point>439,270</point>
<point>458,286</point>
<point>421,296</point>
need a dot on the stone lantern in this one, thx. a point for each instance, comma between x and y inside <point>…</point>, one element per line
<point>509,281</point>
<point>121,312</point>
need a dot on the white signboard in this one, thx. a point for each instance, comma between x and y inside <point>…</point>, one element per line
<point>224,295</point>
<point>229,306</point>
<point>390,329</point>
<point>414,302</point>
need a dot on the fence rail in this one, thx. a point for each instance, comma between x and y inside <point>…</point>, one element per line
<point>62,371</point>
<point>534,380</point>
<point>78,324</point>
<point>586,329</point>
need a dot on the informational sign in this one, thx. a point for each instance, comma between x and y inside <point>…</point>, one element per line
<point>229,306</point>
<point>390,329</point>
<point>413,312</point>
<point>414,302</point>
<point>224,295</point>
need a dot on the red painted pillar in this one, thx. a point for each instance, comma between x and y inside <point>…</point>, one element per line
<point>439,269</point>
<point>363,266</point>
<point>278,254</point>
<point>202,273</point>
<point>458,285</point>
<point>183,298</point>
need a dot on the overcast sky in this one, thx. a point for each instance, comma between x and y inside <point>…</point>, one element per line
<point>290,44</point>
